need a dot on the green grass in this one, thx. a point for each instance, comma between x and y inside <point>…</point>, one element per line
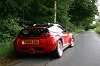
<point>97,29</point>
<point>6,48</point>
<point>77,31</point>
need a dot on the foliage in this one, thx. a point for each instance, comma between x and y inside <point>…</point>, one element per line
<point>83,11</point>
<point>6,48</point>
<point>97,29</point>
<point>42,11</point>
<point>8,28</point>
<point>28,10</point>
<point>62,12</point>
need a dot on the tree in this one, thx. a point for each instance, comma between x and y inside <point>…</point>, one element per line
<point>62,12</point>
<point>29,11</point>
<point>82,10</point>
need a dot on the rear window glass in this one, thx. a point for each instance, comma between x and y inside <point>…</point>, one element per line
<point>33,32</point>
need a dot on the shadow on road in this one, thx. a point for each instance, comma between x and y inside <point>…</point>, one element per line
<point>48,56</point>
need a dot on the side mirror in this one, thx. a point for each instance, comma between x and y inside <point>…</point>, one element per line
<point>68,30</point>
<point>64,31</point>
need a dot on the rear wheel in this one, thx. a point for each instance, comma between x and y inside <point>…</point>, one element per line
<point>72,42</point>
<point>59,51</point>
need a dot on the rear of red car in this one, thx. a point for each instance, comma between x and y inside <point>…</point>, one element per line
<point>36,40</point>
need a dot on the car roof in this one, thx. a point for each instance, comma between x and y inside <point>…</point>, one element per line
<point>34,28</point>
<point>42,26</point>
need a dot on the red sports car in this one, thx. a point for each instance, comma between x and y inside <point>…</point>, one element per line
<point>44,39</point>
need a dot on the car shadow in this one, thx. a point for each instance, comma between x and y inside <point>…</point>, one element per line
<point>38,57</point>
<point>48,56</point>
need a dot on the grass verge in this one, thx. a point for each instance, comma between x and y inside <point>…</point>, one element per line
<point>6,48</point>
<point>97,30</point>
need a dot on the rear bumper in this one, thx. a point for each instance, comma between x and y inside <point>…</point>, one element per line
<point>36,49</point>
<point>46,45</point>
<point>42,48</point>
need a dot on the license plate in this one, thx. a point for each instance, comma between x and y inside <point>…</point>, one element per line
<point>31,41</point>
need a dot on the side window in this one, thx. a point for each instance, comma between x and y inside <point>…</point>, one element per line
<point>61,28</point>
<point>56,29</point>
<point>53,29</point>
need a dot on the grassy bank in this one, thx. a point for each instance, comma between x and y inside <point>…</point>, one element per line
<point>97,29</point>
<point>9,28</point>
<point>6,48</point>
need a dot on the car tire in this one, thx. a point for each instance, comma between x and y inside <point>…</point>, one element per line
<point>72,42</point>
<point>59,51</point>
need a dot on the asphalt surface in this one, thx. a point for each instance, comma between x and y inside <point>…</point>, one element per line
<point>86,52</point>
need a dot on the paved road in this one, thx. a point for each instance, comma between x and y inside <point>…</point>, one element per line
<point>86,52</point>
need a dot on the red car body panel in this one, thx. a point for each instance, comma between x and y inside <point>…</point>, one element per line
<point>45,43</point>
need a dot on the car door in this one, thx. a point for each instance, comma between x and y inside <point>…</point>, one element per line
<point>65,36</point>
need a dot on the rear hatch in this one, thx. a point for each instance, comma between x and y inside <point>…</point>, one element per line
<point>34,36</point>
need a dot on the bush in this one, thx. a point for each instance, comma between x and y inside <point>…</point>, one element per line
<point>9,28</point>
<point>98,29</point>
<point>6,49</point>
